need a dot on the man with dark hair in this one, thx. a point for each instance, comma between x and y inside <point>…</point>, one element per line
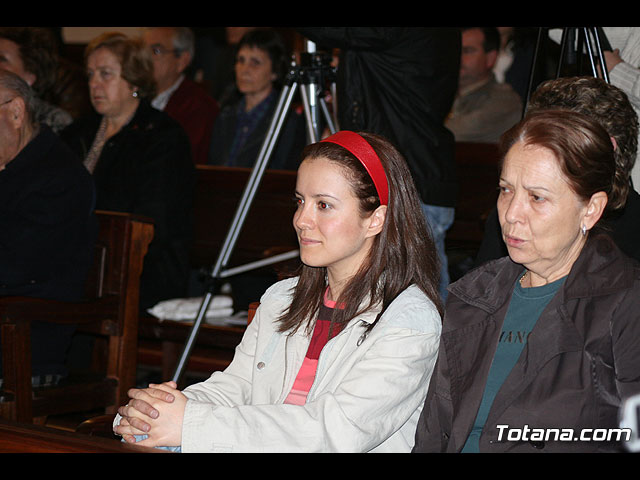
<point>47,222</point>
<point>483,108</point>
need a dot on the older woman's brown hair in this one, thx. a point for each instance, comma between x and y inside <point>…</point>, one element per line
<point>134,58</point>
<point>582,147</point>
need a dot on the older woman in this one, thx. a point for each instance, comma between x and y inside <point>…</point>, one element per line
<point>541,347</point>
<point>246,113</point>
<point>611,108</point>
<point>140,158</point>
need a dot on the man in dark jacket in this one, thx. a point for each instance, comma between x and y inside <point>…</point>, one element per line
<point>400,82</point>
<point>47,224</point>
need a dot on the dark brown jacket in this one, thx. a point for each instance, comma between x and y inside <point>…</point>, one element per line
<point>580,361</point>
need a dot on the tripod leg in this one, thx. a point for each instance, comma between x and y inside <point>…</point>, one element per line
<point>334,98</point>
<point>184,357</point>
<point>284,104</point>
<point>563,46</point>
<point>603,63</point>
<point>247,197</point>
<point>311,130</point>
<point>534,63</point>
<point>587,41</point>
<point>327,116</point>
<point>256,176</point>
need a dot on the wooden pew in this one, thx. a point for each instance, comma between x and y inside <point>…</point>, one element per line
<point>109,311</point>
<point>25,438</point>
<point>267,231</point>
<point>268,227</point>
<point>161,343</point>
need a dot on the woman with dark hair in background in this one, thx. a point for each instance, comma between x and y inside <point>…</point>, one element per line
<point>240,129</point>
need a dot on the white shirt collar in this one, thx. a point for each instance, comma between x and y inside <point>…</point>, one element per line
<point>161,100</point>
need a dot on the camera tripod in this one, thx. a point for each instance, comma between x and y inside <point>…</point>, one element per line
<point>577,44</point>
<point>314,76</point>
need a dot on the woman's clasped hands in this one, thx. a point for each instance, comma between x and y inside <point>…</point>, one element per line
<point>156,412</point>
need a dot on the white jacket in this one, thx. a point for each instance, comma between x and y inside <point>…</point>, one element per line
<point>367,394</point>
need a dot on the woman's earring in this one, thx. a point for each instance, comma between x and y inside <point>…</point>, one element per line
<point>135,94</point>
<point>584,230</point>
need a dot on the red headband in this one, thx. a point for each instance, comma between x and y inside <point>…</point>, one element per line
<point>359,147</point>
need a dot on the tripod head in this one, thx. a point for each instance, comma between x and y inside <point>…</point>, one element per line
<point>313,68</point>
<point>316,78</point>
<point>317,68</point>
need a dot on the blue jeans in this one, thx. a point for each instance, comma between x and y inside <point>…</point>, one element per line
<point>439,220</point>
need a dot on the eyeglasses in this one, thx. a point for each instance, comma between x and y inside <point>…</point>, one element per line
<point>160,50</point>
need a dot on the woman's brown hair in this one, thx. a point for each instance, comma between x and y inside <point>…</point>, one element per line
<point>402,254</point>
<point>135,60</point>
<point>582,147</point>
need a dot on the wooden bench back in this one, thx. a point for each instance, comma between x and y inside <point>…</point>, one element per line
<point>110,310</point>
<point>268,228</point>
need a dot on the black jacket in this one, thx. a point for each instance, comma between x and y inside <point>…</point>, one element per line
<point>47,236</point>
<point>47,225</point>
<point>146,169</point>
<point>286,153</point>
<point>400,82</point>
<point>580,361</point>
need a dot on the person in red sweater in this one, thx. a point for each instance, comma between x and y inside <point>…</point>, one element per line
<point>183,99</point>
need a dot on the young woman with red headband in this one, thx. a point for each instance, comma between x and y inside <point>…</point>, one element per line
<point>338,358</point>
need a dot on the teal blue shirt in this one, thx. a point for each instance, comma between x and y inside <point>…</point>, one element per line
<point>525,308</point>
